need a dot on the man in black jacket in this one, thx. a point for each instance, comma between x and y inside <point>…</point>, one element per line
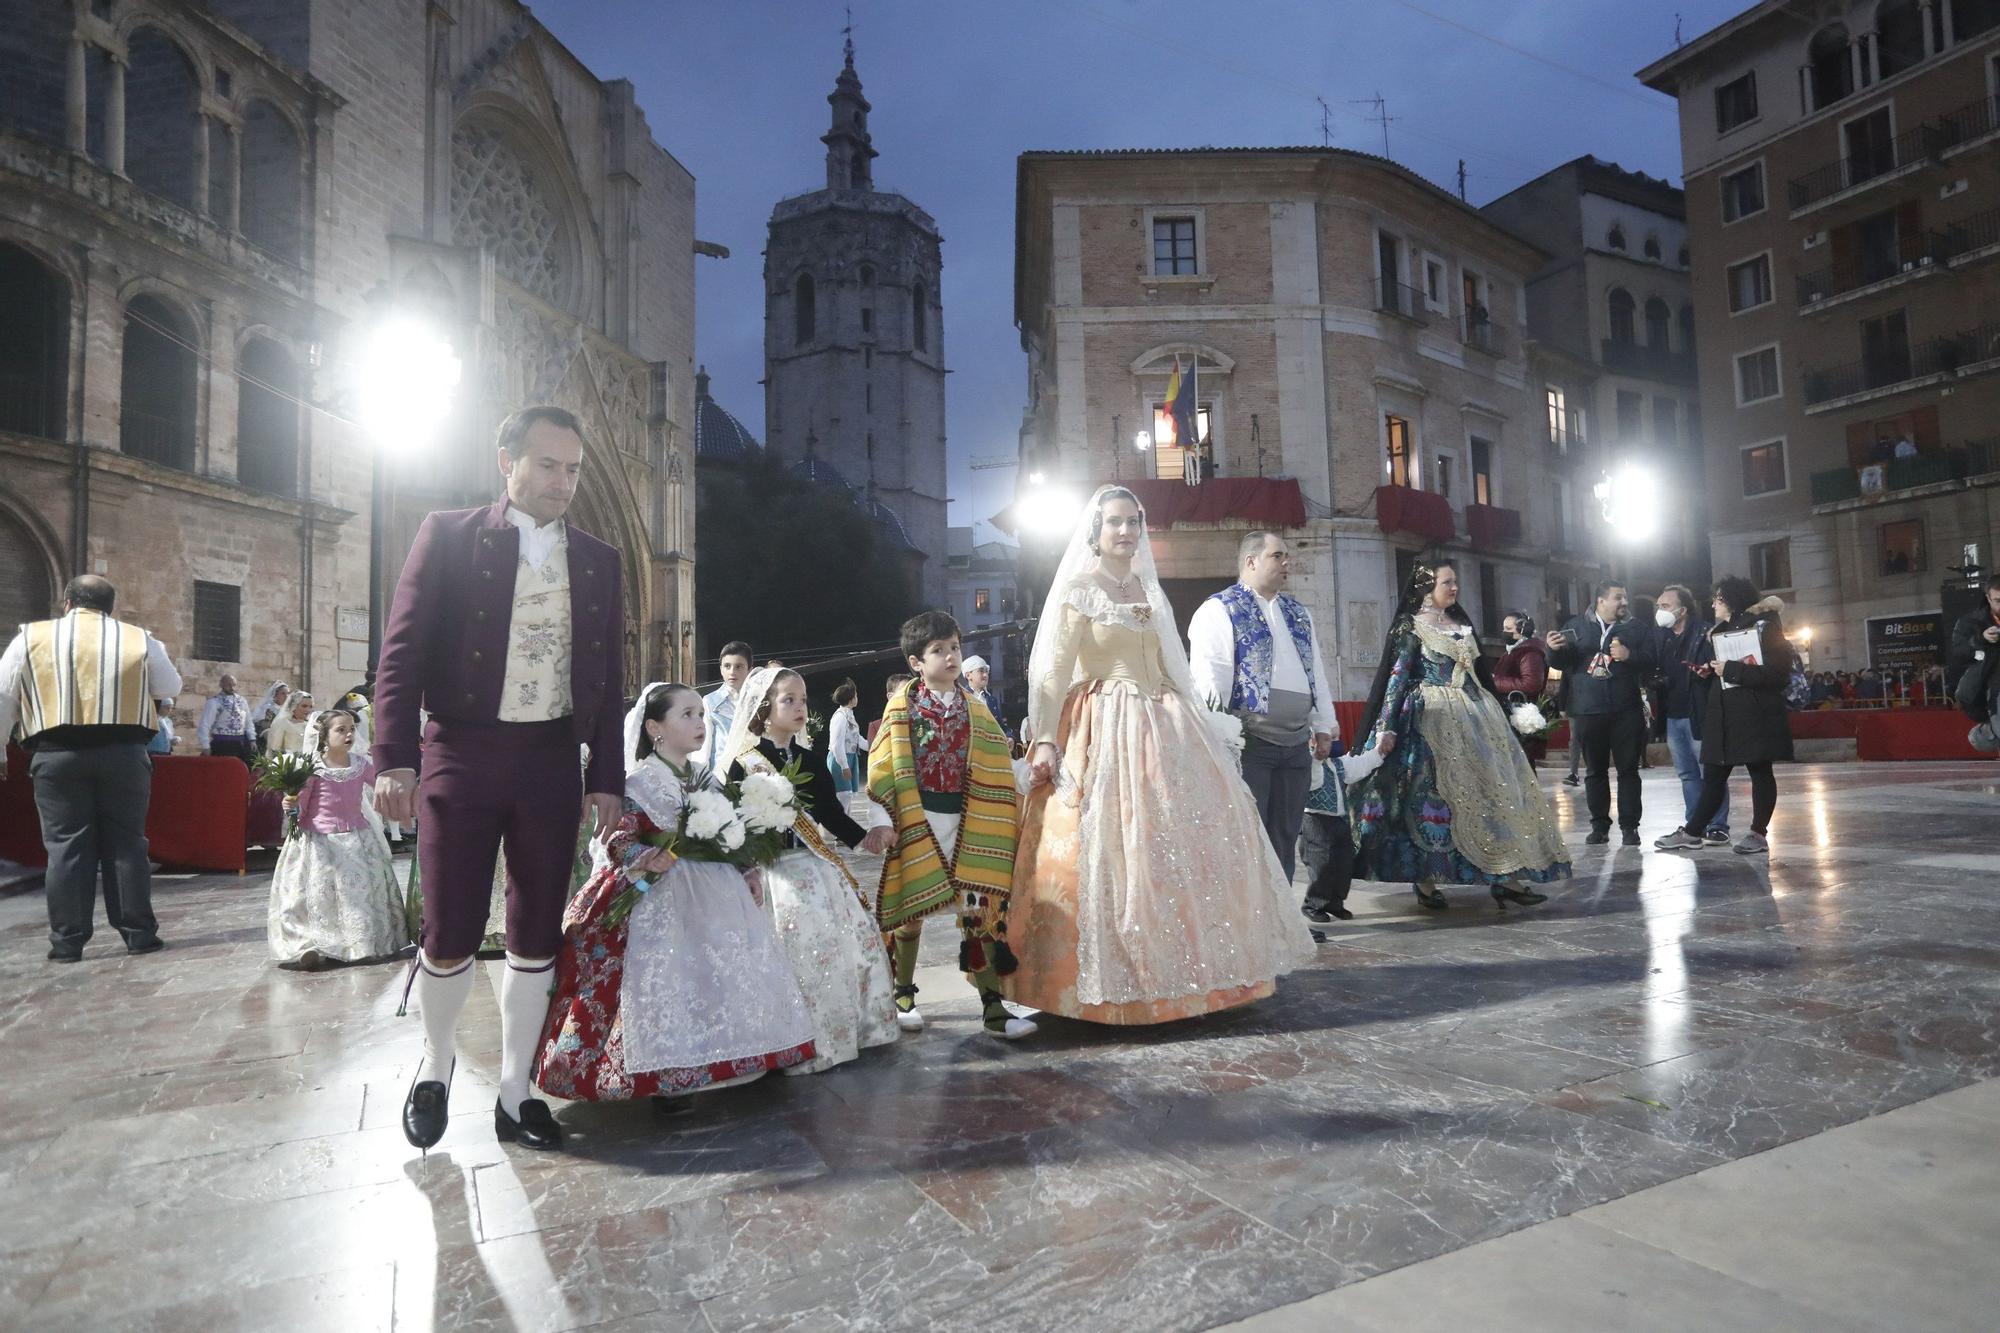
<point>1606,658</point>
<point>1975,644</point>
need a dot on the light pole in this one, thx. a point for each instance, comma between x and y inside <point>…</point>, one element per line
<point>1629,499</point>
<point>408,380</point>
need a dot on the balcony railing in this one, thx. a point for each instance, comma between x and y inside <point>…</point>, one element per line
<point>1972,459</point>
<point>1399,298</point>
<point>1630,358</point>
<point>29,402</point>
<point>1915,145</point>
<point>1487,337</point>
<point>1930,248</point>
<point>1937,356</point>
<point>157,437</point>
<point>1488,526</point>
<point>1566,436</point>
<point>1969,122</point>
<point>1974,233</point>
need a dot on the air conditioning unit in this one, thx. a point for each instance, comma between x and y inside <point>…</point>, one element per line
<point>1815,239</point>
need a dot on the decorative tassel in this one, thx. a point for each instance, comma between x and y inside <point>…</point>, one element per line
<point>1004,961</point>
<point>971,954</point>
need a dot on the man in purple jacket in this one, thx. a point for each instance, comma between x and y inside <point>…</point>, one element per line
<point>506,626</point>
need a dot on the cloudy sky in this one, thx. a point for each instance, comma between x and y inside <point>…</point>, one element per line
<point>736,89</point>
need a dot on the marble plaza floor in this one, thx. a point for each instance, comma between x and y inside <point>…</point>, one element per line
<point>195,1140</point>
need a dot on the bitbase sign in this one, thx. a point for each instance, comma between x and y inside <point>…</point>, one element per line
<point>1915,640</point>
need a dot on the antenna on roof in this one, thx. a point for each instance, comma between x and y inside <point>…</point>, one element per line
<point>1325,123</point>
<point>1381,116</point>
<point>1461,181</point>
<point>1677,30</point>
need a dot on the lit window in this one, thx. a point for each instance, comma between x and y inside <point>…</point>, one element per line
<point>1396,466</point>
<point>1764,468</point>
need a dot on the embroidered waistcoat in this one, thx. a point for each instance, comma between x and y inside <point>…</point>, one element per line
<point>1255,649</point>
<point>536,687</point>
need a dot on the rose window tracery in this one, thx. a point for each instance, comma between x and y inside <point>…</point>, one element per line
<point>500,200</point>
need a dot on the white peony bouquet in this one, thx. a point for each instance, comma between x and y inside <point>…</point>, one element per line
<point>1227,729</point>
<point>1527,718</point>
<point>743,824</point>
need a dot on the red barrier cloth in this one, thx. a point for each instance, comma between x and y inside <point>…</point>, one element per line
<point>1489,526</point>
<point>1915,733</point>
<point>197,816</point>
<point>1401,509</point>
<point>265,823</point>
<point>1261,502</point>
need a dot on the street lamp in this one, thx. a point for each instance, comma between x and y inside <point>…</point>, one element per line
<point>407,380</point>
<point>1629,500</point>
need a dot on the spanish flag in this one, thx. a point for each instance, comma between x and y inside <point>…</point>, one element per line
<point>1181,406</point>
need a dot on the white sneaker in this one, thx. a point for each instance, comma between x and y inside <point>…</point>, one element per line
<point>1016,1029</point>
<point>910,1020</point>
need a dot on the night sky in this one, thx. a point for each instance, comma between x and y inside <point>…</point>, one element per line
<point>736,90</point>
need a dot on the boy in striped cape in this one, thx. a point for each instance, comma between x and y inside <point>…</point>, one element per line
<point>941,767</point>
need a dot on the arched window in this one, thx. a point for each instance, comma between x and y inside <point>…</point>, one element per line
<point>161,100</point>
<point>919,317</point>
<point>805,315</point>
<point>156,384</point>
<point>34,337</point>
<point>1687,330</point>
<point>1658,321</point>
<point>1622,309</point>
<point>1899,36</point>
<point>267,418</point>
<point>1616,240</point>
<point>1651,248</point>
<point>1829,67</point>
<point>271,183</point>
<point>28,592</point>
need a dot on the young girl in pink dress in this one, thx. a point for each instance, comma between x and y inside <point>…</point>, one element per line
<point>334,895</point>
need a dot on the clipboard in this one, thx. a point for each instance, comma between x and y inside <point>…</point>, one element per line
<point>1739,645</point>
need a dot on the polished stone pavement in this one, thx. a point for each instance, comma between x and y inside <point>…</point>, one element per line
<point>193,1139</point>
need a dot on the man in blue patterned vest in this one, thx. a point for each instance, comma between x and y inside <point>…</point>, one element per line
<point>1254,650</point>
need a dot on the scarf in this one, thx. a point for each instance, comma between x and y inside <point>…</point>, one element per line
<point>916,881</point>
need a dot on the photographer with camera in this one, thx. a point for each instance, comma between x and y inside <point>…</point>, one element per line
<point>1607,658</point>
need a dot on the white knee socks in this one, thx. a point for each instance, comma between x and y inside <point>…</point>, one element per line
<point>524,1008</point>
<point>440,999</point>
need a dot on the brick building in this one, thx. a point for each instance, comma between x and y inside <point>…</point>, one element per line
<point>1612,319</point>
<point>1842,167</point>
<point>1358,338</point>
<point>206,211</point>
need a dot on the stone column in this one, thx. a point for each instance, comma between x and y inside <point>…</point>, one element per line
<point>76,96</point>
<point>232,203</point>
<point>114,118</point>
<point>201,136</point>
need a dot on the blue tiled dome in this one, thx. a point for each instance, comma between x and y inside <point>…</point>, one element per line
<point>718,435</point>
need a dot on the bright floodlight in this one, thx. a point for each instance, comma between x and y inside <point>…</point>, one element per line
<point>1048,510</point>
<point>1632,501</point>
<point>408,377</point>
<point>1142,441</point>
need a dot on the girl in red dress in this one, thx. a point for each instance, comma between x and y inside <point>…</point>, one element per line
<point>693,989</point>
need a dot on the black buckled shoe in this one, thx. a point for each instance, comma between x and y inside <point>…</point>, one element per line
<point>426,1110</point>
<point>536,1128</point>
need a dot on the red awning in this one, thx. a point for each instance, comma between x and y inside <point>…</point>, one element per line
<point>1259,502</point>
<point>1489,526</point>
<point>1402,509</point>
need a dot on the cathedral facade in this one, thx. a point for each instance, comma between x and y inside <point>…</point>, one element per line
<point>209,211</point>
<point>854,339</point>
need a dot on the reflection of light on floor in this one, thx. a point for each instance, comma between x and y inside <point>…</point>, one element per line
<point>1815,795</point>
<point>1667,887</point>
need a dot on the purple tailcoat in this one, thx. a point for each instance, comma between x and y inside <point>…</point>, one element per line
<point>445,643</point>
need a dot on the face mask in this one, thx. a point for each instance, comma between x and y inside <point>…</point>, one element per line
<point>1663,618</point>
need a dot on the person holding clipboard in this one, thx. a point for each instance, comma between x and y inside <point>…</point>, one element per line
<point>1745,723</point>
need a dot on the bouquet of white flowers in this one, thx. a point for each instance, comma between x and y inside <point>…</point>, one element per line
<point>743,825</point>
<point>1527,719</point>
<point>1227,728</point>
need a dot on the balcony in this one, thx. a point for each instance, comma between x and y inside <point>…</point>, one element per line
<point>1486,337</point>
<point>1566,436</point>
<point>1968,125</point>
<point>1975,236</point>
<point>1919,257</point>
<point>1908,150</point>
<point>1489,526</point>
<point>1841,484</point>
<point>1904,368</point>
<point>1649,362</point>
<point>1405,509</point>
<point>1402,300</point>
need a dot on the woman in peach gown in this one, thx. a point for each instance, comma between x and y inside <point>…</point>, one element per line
<point>1145,889</point>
